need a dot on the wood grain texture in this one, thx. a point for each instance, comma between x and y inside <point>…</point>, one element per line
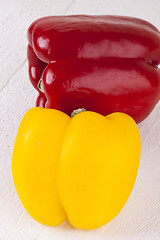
<point>140,218</point>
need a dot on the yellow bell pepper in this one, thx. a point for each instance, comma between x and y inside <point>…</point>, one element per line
<point>82,168</point>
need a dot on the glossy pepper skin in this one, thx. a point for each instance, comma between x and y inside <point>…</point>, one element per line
<point>82,168</point>
<point>35,68</point>
<point>102,63</point>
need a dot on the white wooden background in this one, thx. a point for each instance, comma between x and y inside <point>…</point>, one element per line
<point>140,218</point>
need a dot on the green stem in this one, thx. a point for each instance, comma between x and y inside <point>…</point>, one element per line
<point>40,86</point>
<point>76,111</point>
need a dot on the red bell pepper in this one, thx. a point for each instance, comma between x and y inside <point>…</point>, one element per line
<point>102,63</point>
<point>36,67</point>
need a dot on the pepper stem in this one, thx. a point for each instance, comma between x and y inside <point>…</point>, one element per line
<point>76,111</point>
<point>40,86</point>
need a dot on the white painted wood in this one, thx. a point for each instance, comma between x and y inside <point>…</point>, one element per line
<point>140,218</point>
